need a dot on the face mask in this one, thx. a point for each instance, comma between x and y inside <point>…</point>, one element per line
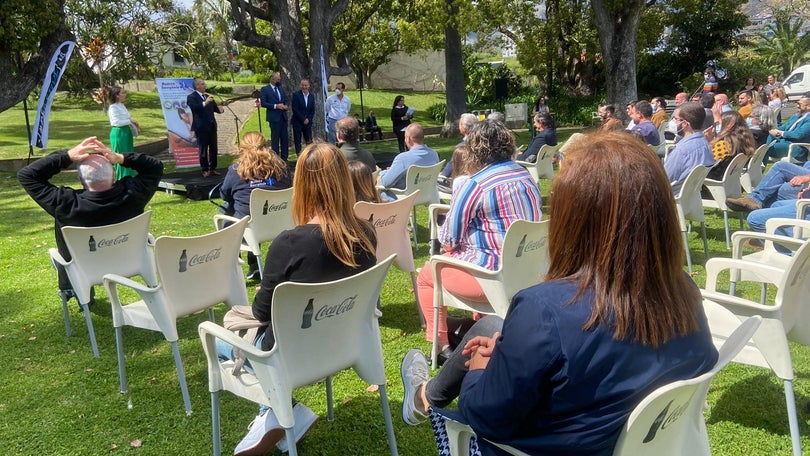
<point>338,91</point>
<point>679,129</point>
<point>749,122</point>
<point>278,84</point>
<point>655,109</point>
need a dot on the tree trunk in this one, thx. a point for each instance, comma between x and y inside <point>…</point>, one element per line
<point>617,23</point>
<point>454,77</point>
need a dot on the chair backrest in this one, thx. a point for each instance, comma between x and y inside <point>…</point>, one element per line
<point>390,220</point>
<point>524,256</point>
<point>731,176</point>
<point>423,178</point>
<point>323,328</point>
<point>662,133</point>
<point>753,173</point>
<point>792,296</point>
<point>689,203</point>
<point>270,214</point>
<point>669,421</point>
<point>542,168</point>
<point>199,272</point>
<point>120,248</point>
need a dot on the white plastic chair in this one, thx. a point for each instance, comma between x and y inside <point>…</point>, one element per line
<point>196,273</point>
<point>320,329</point>
<point>422,178</point>
<point>122,248</point>
<point>690,208</point>
<point>390,220</point>
<point>435,211</point>
<point>524,261</point>
<point>270,214</point>
<point>786,319</point>
<point>728,187</point>
<point>542,168</point>
<point>678,404</point>
<point>752,175</point>
<point>791,149</point>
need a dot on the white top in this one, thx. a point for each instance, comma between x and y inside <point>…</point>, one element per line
<point>775,103</point>
<point>119,116</point>
<point>337,108</point>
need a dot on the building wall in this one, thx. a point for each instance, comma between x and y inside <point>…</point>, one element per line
<point>422,72</point>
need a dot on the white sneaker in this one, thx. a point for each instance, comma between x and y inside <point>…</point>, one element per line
<point>262,436</point>
<point>305,418</point>
<point>414,372</point>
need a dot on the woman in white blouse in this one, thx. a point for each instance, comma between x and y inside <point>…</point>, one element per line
<point>121,135</point>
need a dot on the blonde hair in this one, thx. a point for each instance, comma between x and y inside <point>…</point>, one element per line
<point>320,182</point>
<point>257,160</point>
<point>363,182</point>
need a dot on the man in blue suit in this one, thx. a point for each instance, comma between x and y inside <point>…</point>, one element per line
<point>204,125</point>
<point>795,130</point>
<point>274,100</point>
<point>303,113</point>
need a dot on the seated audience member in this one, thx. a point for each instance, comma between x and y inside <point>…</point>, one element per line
<point>347,132</point>
<point>417,154</point>
<point>786,208</point>
<point>781,182</point>
<point>659,115</point>
<point>734,138</point>
<point>641,115</point>
<point>372,127</point>
<point>465,122</point>
<point>610,122</point>
<point>496,115</point>
<point>575,354</point>
<point>669,131</point>
<point>363,182</point>
<point>630,110</point>
<point>761,121</point>
<point>257,167</point>
<point>795,130</point>
<point>101,201</point>
<point>329,243</point>
<point>546,135</point>
<point>745,102</point>
<point>498,192</point>
<point>708,127</point>
<point>693,150</point>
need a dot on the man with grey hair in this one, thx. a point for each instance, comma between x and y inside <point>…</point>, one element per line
<point>465,123</point>
<point>347,131</point>
<point>102,201</point>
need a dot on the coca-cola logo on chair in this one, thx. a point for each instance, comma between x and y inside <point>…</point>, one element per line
<point>198,258</point>
<point>95,245</point>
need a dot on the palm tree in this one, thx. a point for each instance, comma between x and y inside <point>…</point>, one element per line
<point>218,15</point>
<point>784,45</point>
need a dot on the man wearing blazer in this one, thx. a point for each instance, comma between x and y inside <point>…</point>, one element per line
<point>204,125</point>
<point>303,113</point>
<point>274,100</point>
<point>795,130</point>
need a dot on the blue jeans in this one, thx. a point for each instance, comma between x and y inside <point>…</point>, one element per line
<point>330,129</point>
<point>779,209</point>
<point>775,183</point>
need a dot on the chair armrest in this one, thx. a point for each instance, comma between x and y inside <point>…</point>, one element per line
<point>221,219</point>
<point>111,282</point>
<point>209,329</point>
<point>771,225</point>
<point>150,240</point>
<point>56,258</point>
<point>738,238</point>
<point>439,261</point>
<point>716,265</point>
<point>802,206</point>
<point>737,305</point>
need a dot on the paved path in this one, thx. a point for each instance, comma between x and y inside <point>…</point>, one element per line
<point>226,126</point>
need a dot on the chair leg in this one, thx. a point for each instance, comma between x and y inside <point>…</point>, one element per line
<point>793,419</point>
<point>289,434</point>
<point>119,349</point>
<point>330,400</point>
<point>211,314</point>
<point>728,235</point>
<point>65,313</point>
<point>389,426</point>
<point>215,423</point>
<point>434,353</point>
<point>259,263</point>
<point>762,293</point>
<point>688,256</point>
<point>705,241</point>
<point>732,288</point>
<point>416,295</point>
<point>86,309</point>
<point>413,228</point>
<point>181,376</point>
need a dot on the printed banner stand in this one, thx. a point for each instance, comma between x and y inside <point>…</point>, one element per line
<point>59,61</point>
<point>178,117</point>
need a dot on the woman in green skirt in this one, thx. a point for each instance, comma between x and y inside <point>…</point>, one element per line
<point>123,127</point>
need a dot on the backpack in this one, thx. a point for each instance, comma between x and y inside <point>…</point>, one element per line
<point>241,321</point>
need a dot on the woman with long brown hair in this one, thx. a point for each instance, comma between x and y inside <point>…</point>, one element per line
<point>734,138</point>
<point>615,319</point>
<point>363,182</point>
<point>329,243</point>
<point>257,167</point>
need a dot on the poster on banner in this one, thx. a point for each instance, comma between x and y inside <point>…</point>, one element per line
<point>177,115</point>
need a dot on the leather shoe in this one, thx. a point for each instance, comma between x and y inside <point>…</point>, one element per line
<point>207,174</point>
<point>214,173</point>
<point>743,204</point>
<point>444,356</point>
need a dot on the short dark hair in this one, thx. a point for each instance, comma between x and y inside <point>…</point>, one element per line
<point>609,108</point>
<point>693,113</point>
<point>661,101</point>
<point>707,100</point>
<point>644,108</point>
<point>348,128</point>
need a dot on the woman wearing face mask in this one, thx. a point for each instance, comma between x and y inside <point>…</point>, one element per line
<point>401,119</point>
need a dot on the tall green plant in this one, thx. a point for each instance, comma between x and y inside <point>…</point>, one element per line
<point>784,44</point>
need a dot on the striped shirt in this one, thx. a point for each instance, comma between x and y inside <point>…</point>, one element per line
<point>484,207</point>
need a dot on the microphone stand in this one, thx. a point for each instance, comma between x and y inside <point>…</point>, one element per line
<point>236,118</point>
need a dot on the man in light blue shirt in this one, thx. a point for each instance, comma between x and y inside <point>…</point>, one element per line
<point>417,154</point>
<point>691,151</point>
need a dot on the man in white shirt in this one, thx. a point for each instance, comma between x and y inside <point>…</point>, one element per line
<point>337,107</point>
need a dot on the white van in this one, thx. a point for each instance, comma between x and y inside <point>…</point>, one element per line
<point>798,82</point>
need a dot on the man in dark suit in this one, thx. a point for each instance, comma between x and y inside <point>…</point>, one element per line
<point>204,125</point>
<point>303,113</point>
<point>274,100</point>
<point>371,125</point>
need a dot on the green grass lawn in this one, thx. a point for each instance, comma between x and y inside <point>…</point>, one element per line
<point>73,119</point>
<point>56,398</point>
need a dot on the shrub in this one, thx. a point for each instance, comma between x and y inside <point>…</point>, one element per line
<point>437,111</point>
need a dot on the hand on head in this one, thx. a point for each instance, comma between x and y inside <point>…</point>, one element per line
<point>92,146</point>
